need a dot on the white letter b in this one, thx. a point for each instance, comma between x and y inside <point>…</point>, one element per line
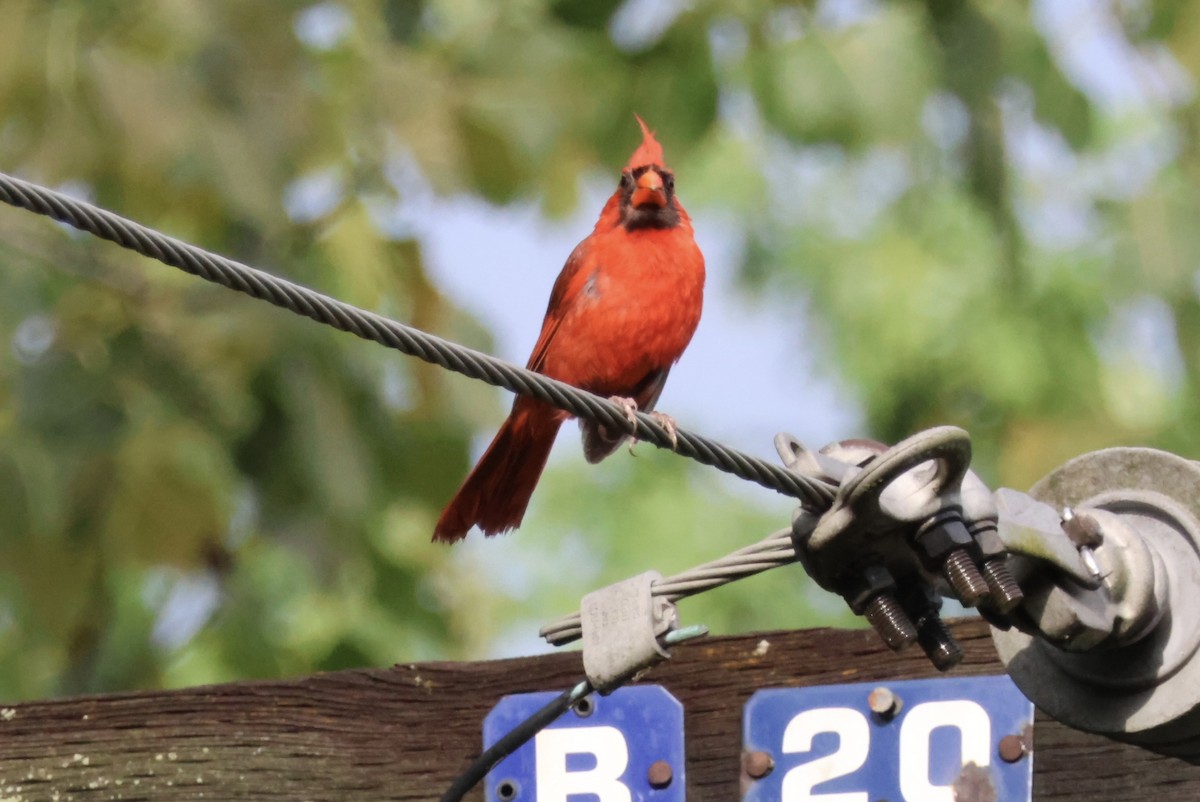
<point>555,783</point>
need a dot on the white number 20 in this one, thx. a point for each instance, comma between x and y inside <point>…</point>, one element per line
<point>854,745</point>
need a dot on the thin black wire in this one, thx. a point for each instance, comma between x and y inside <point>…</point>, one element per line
<point>513,740</point>
<point>373,327</point>
<point>520,734</point>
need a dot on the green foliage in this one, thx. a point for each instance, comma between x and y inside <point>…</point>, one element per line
<point>195,487</point>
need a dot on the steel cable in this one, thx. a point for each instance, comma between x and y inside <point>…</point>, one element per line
<point>370,326</point>
<point>771,552</point>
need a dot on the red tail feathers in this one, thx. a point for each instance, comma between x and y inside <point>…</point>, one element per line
<point>495,494</point>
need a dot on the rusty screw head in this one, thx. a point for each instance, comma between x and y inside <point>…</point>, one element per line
<point>1012,748</point>
<point>660,774</point>
<point>757,764</point>
<point>883,703</point>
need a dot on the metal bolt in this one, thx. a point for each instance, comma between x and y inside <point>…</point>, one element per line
<point>1012,748</point>
<point>891,622</point>
<point>660,775</point>
<point>969,585</point>
<point>507,790</point>
<point>1006,593</point>
<point>584,707</point>
<point>1085,532</point>
<point>757,764</point>
<point>883,703</point>
<point>1089,561</point>
<point>939,645</point>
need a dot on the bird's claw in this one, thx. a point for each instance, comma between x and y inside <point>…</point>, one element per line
<point>667,422</point>
<point>630,407</point>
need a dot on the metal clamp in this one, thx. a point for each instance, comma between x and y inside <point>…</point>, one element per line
<point>622,624</point>
<point>908,525</point>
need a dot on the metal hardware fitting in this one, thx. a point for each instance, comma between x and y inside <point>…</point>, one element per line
<point>909,525</point>
<point>622,624</point>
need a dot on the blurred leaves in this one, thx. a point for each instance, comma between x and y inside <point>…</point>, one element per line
<point>857,86</point>
<point>986,208</point>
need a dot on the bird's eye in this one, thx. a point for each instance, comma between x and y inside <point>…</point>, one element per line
<point>626,179</point>
<point>669,181</point>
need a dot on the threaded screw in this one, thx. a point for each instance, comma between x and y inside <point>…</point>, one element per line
<point>969,585</point>
<point>1006,593</point>
<point>891,622</point>
<point>939,645</point>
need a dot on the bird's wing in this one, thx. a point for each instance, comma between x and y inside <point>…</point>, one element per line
<point>571,281</point>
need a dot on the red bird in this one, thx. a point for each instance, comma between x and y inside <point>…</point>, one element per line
<point>621,314</point>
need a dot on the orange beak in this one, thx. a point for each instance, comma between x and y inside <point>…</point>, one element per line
<point>649,190</point>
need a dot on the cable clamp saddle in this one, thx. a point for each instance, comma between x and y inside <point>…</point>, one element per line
<point>622,624</point>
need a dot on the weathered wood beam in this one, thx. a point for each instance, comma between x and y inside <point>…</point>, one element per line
<point>404,733</point>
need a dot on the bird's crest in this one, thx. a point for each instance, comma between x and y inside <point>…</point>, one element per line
<point>649,152</point>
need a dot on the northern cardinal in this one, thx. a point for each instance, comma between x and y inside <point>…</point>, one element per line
<point>621,314</point>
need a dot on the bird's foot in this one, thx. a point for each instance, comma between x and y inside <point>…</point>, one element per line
<point>630,408</point>
<point>667,422</point>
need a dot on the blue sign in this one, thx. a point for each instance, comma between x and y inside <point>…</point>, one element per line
<point>626,747</point>
<point>907,741</point>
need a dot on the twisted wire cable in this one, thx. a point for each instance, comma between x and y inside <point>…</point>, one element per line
<point>370,326</point>
<point>771,552</point>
